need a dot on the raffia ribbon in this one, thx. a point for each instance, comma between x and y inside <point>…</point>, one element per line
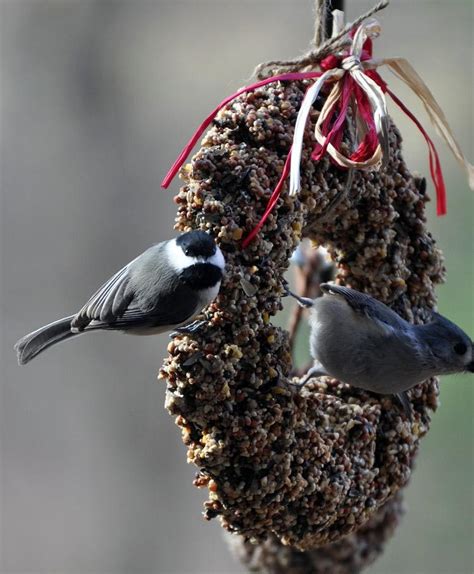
<point>356,83</point>
<point>350,65</point>
<point>372,85</point>
<point>405,72</point>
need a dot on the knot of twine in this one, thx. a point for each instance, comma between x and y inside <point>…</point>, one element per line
<point>351,63</point>
<point>321,47</point>
<point>349,82</point>
<point>353,82</point>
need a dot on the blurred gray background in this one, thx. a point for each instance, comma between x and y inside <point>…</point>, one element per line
<point>97,97</point>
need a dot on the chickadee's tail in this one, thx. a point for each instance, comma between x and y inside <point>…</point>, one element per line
<point>35,343</point>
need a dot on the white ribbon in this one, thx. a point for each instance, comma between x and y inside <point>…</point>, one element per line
<point>353,66</point>
<point>297,147</point>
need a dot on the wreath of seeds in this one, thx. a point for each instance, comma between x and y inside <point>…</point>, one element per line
<point>303,467</point>
<point>347,556</point>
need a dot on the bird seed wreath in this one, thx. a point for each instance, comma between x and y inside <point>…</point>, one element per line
<point>301,468</point>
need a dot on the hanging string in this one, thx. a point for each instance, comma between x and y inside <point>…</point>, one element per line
<point>353,83</point>
<point>321,16</point>
<point>312,58</point>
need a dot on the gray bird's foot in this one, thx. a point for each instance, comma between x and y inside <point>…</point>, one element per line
<point>302,301</point>
<point>187,329</point>
<point>316,371</point>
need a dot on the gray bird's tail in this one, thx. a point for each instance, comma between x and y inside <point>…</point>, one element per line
<point>35,343</point>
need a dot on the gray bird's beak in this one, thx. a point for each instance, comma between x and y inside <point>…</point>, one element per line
<point>470,366</point>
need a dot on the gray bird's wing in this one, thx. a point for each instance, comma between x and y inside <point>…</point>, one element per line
<point>366,305</point>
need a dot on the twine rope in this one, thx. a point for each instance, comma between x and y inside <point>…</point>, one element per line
<point>321,10</point>
<point>321,51</point>
<point>356,87</point>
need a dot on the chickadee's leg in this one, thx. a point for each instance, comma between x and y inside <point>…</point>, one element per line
<point>188,329</point>
<point>317,370</point>
<point>405,403</point>
<point>302,301</point>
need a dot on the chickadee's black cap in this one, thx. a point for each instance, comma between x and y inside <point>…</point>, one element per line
<point>196,243</point>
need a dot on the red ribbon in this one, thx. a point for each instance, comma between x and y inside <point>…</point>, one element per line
<point>435,164</point>
<point>370,142</point>
<point>368,145</point>
<point>333,134</point>
<point>337,129</point>
<point>271,204</point>
<point>206,123</point>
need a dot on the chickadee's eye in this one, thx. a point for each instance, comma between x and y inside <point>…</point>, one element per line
<point>460,348</point>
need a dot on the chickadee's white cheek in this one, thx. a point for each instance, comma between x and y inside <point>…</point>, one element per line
<point>176,257</point>
<point>217,259</point>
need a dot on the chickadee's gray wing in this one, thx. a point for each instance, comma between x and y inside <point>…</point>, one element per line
<point>172,307</point>
<point>366,305</point>
<point>108,302</point>
<point>130,298</point>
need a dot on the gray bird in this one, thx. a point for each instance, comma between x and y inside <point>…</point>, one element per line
<point>162,289</point>
<point>362,342</point>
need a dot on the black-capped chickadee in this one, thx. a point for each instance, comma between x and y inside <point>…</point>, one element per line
<point>162,289</point>
<point>362,342</point>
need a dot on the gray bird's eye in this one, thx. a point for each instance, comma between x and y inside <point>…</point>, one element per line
<point>460,348</point>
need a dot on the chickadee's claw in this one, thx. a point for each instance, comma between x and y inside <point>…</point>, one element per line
<point>188,329</point>
<point>193,359</point>
<point>305,302</point>
<point>405,403</point>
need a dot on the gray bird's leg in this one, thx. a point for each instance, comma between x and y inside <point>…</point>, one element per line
<point>405,403</point>
<point>317,370</point>
<point>187,329</point>
<point>302,301</point>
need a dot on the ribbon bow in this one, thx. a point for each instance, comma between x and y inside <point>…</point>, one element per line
<point>357,84</point>
<point>350,84</point>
